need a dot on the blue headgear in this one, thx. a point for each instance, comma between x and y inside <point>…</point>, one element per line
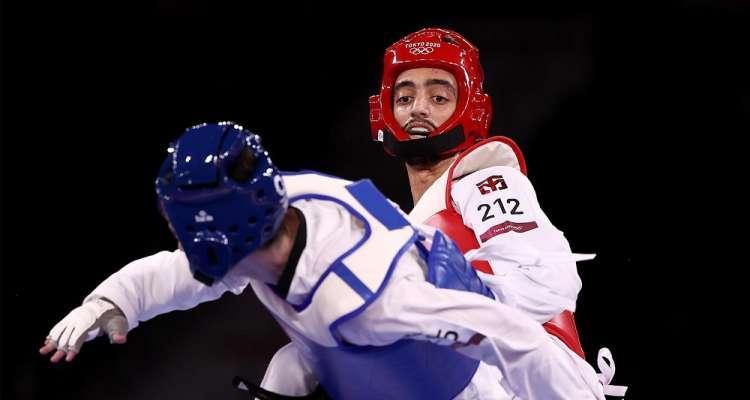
<point>219,220</point>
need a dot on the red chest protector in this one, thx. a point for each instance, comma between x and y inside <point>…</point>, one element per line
<point>563,326</point>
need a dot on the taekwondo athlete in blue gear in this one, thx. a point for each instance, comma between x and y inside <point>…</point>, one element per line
<point>219,220</point>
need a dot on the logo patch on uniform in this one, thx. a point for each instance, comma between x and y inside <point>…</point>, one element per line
<point>491,184</point>
<point>505,227</point>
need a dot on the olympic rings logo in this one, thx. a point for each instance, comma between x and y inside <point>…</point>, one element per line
<point>421,50</point>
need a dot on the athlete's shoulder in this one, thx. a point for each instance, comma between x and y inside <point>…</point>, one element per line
<point>493,151</point>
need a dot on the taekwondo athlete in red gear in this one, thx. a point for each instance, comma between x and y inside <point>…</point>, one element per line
<point>432,113</point>
<point>467,184</point>
<point>455,147</point>
<point>359,289</point>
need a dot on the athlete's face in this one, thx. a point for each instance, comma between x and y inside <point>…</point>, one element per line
<point>423,99</point>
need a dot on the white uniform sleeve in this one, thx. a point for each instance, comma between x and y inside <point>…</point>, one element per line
<point>534,269</point>
<point>289,374</point>
<point>535,365</point>
<point>158,284</point>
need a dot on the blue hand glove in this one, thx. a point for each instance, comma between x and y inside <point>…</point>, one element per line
<point>448,269</point>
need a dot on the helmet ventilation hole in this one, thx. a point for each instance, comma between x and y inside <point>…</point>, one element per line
<point>213,258</point>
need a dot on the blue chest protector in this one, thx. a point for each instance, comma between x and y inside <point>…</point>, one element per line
<point>407,369</point>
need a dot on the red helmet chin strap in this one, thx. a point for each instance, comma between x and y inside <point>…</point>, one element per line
<point>449,51</point>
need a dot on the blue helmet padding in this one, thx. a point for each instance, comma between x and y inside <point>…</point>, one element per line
<point>194,156</point>
<point>217,219</point>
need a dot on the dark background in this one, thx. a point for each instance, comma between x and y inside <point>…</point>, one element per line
<point>627,117</point>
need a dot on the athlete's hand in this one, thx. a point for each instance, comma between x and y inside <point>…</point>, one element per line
<point>84,323</point>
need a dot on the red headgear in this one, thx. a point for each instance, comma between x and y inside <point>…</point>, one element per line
<point>433,48</point>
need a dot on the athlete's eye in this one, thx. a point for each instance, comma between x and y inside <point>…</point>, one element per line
<point>403,100</point>
<point>440,99</point>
